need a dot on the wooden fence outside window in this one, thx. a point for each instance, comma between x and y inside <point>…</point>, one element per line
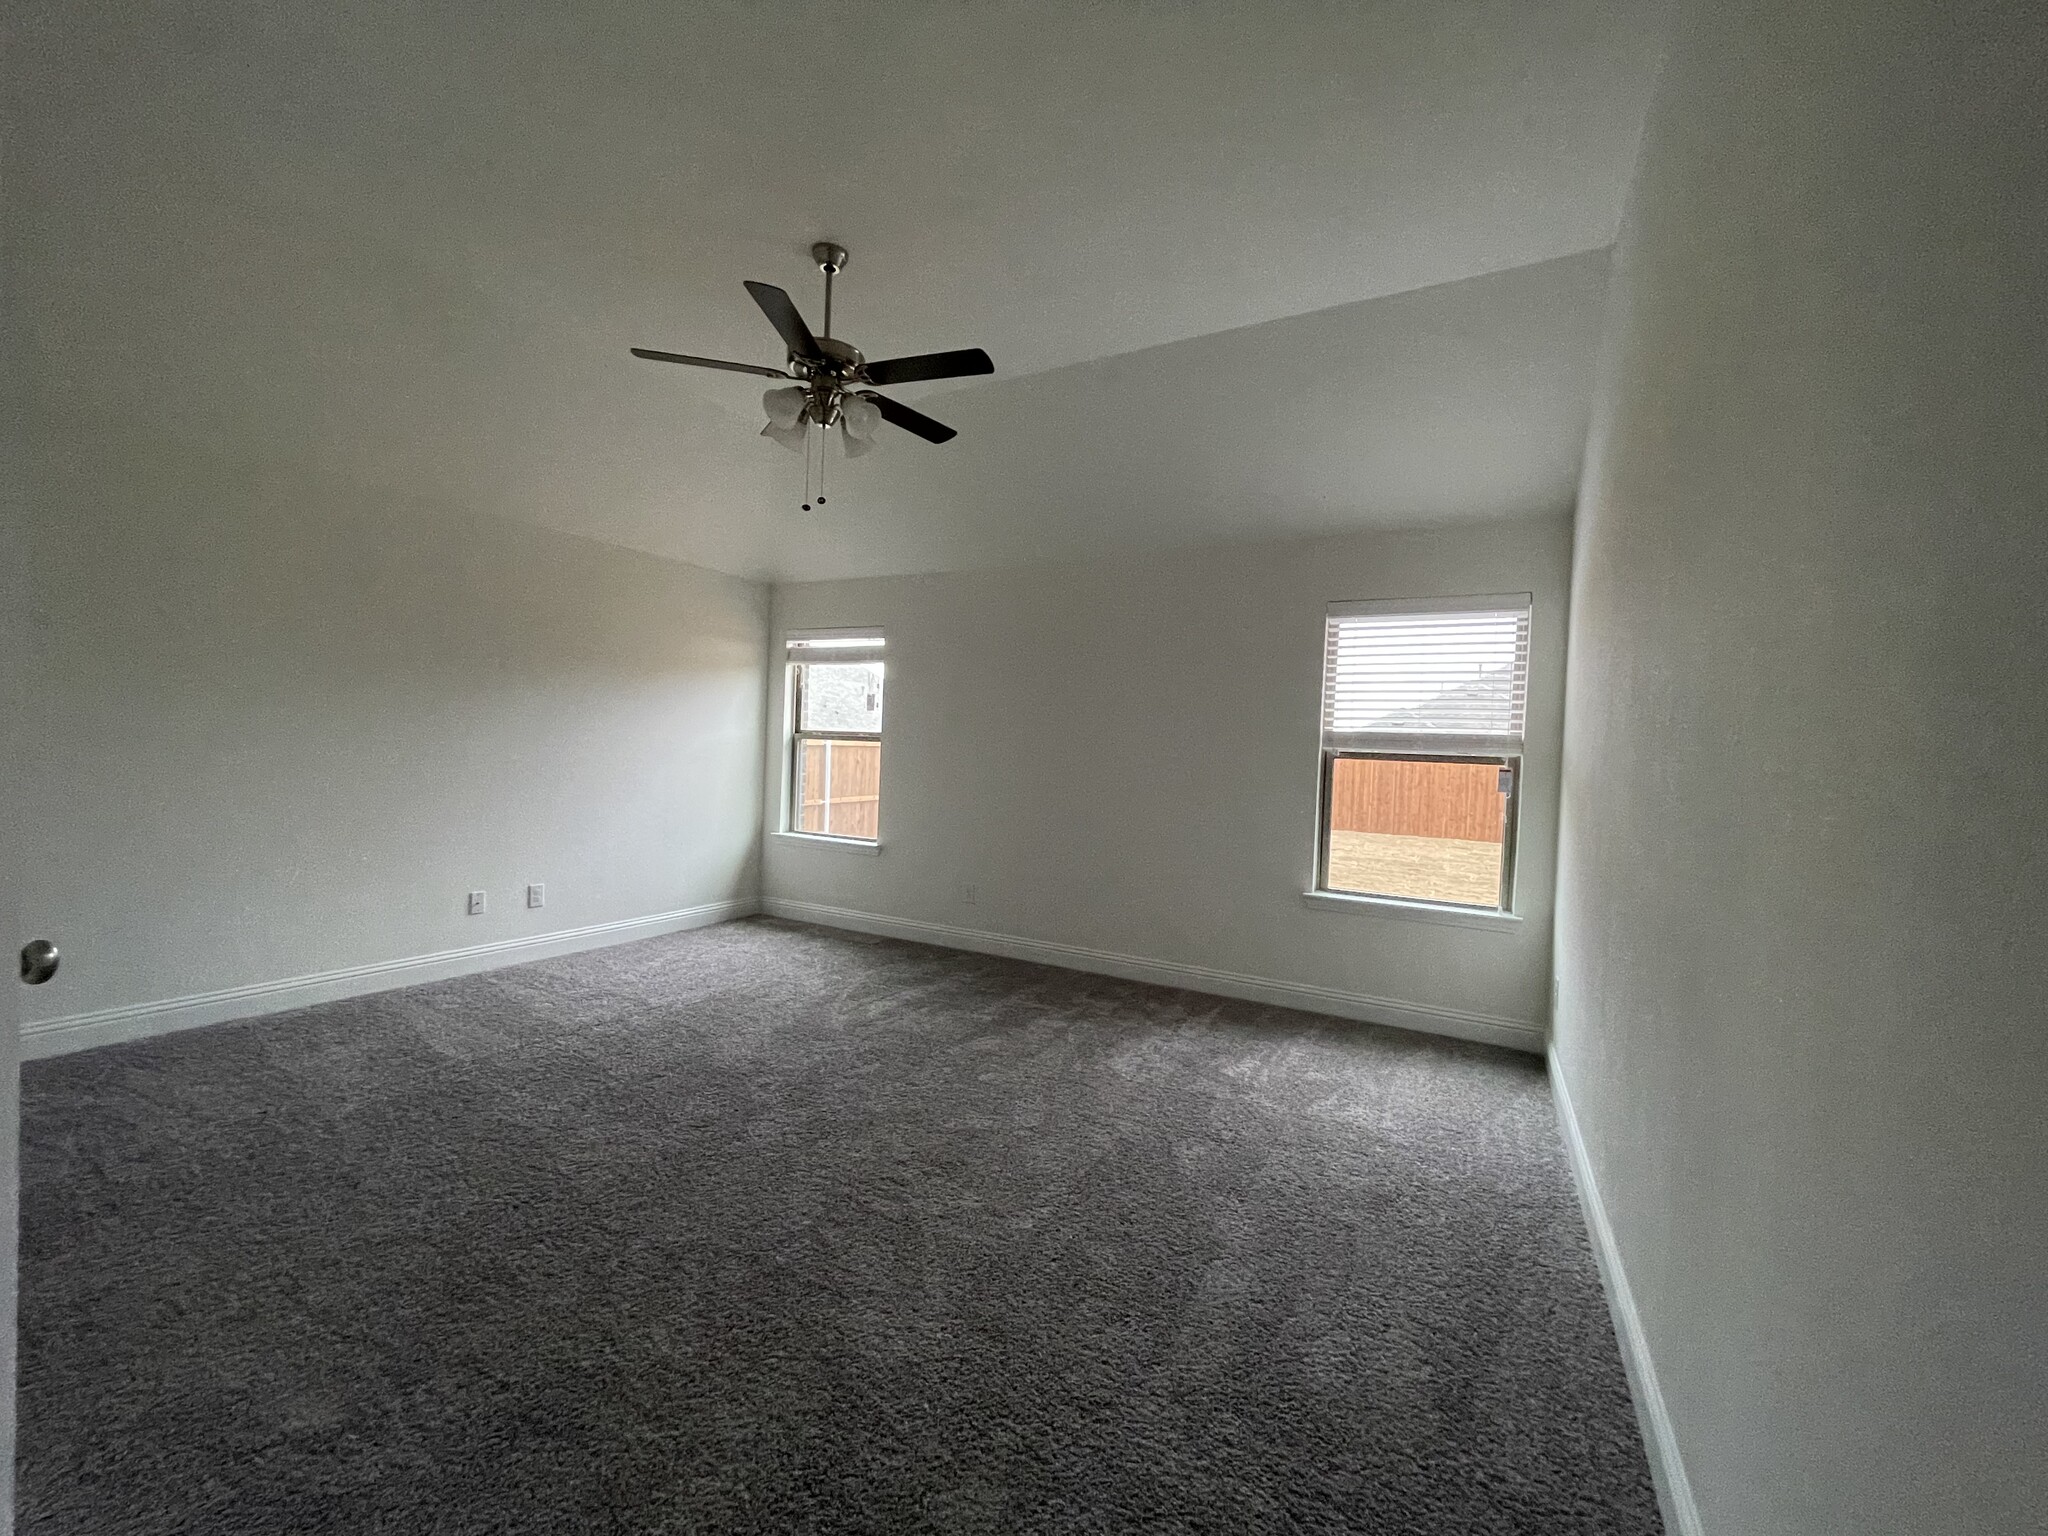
<point>1417,799</point>
<point>839,788</point>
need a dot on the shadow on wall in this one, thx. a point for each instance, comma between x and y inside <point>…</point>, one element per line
<point>292,720</point>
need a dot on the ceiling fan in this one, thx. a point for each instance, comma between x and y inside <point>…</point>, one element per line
<point>832,376</point>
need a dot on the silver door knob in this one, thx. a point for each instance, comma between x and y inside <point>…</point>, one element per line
<point>38,961</point>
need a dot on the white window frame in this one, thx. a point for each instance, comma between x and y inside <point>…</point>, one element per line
<point>1504,752</point>
<point>829,645</point>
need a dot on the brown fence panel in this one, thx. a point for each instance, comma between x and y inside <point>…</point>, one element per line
<point>1461,800</point>
<point>840,788</point>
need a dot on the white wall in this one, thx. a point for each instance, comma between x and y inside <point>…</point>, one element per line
<point>1122,756</point>
<point>284,724</point>
<point>1801,933</point>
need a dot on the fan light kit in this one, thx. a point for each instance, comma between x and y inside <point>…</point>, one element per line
<point>832,379</point>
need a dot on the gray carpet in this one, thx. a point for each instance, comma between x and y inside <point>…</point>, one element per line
<point>765,1228</point>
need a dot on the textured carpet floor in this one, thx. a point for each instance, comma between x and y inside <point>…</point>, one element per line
<point>765,1228</point>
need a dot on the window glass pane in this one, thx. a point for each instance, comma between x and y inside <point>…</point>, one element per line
<point>838,788</point>
<point>1422,831</point>
<point>841,696</point>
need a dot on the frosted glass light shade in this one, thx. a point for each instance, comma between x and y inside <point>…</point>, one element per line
<point>786,423</point>
<point>785,406</point>
<point>858,421</point>
<point>862,417</point>
<point>791,438</point>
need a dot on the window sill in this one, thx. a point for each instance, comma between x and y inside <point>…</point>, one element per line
<point>819,840</point>
<point>1424,911</point>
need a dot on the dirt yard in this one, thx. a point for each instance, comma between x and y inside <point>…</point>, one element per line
<point>1419,868</point>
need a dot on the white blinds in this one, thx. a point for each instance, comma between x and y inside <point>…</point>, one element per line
<point>1438,676</point>
<point>835,645</point>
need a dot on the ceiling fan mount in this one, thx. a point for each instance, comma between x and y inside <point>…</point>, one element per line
<point>834,385</point>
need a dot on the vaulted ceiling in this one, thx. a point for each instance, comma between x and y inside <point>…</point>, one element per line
<point>1244,268</point>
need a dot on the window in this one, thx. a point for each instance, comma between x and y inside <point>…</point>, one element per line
<point>1423,709</point>
<point>835,712</point>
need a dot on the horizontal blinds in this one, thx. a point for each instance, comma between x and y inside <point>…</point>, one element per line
<point>1413,680</point>
<point>842,648</point>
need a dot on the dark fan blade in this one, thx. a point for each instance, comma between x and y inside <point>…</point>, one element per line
<point>781,313</point>
<point>709,362</point>
<point>911,421</point>
<point>931,365</point>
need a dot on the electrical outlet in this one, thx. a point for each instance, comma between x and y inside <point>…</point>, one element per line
<point>967,894</point>
<point>536,895</point>
<point>476,903</point>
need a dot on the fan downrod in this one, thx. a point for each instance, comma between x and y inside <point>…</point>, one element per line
<point>831,260</point>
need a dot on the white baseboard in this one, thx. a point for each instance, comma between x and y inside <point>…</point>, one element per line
<point>108,1026</point>
<point>1667,1467</point>
<point>1427,1019</point>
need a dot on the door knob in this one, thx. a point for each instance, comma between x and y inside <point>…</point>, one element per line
<point>38,961</point>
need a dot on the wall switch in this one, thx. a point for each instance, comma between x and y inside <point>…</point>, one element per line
<point>476,902</point>
<point>536,895</point>
<point>1553,997</point>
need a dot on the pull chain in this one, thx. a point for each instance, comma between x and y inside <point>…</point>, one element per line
<point>824,442</point>
<point>807,466</point>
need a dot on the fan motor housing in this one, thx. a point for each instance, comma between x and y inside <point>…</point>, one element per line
<point>829,377</point>
<point>846,356</point>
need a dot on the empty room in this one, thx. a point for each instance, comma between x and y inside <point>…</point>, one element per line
<point>978,766</point>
